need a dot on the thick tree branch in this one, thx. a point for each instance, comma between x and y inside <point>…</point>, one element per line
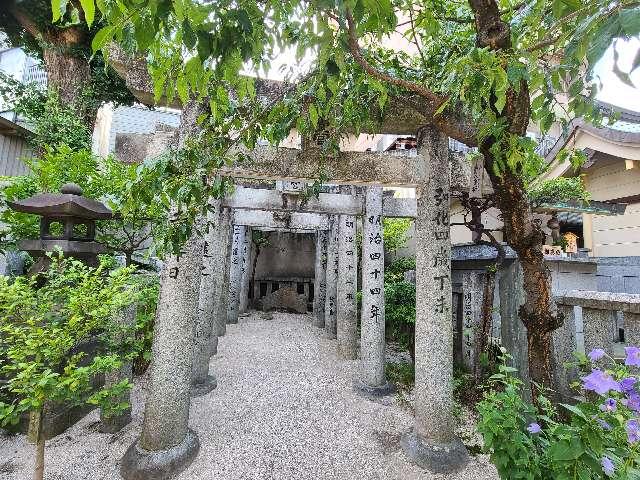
<point>356,52</point>
<point>453,121</point>
<point>24,20</point>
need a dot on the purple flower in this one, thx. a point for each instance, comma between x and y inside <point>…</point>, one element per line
<point>596,354</point>
<point>633,402</point>
<point>627,384</point>
<point>534,428</point>
<point>603,424</point>
<point>607,466</point>
<point>633,356</point>
<point>633,431</point>
<point>609,405</point>
<point>600,382</point>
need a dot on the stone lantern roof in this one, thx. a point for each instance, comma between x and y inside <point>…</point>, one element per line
<point>68,203</point>
<point>67,223</point>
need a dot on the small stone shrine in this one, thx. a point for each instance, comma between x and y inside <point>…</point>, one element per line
<point>67,223</point>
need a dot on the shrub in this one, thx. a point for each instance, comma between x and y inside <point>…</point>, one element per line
<point>43,322</point>
<point>400,303</point>
<point>598,437</point>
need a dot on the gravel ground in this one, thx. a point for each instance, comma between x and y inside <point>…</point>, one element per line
<point>284,409</point>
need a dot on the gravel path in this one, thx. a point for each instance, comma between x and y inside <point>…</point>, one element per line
<point>284,409</point>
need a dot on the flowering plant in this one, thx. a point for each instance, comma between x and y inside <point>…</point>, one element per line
<point>598,437</point>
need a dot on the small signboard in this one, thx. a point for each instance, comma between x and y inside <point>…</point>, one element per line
<point>552,250</point>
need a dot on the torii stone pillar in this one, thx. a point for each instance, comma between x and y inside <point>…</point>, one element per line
<point>320,278</point>
<point>372,321</point>
<point>205,341</point>
<point>433,444</point>
<point>222,249</point>
<point>330,306</point>
<point>347,312</point>
<point>247,254</point>
<point>166,445</point>
<point>235,272</point>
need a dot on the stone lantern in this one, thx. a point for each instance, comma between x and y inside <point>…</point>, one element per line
<point>67,223</point>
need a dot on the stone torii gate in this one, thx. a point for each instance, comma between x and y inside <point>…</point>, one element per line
<point>167,445</point>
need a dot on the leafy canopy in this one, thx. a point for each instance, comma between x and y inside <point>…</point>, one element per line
<point>444,60</point>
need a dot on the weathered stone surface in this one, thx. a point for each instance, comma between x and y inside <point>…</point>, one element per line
<point>433,443</point>
<point>221,248</point>
<point>320,279</point>
<point>372,321</point>
<point>141,464</point>
<point>235,272</point>
<point>167,407</point>
<point>600,329</point>
<point>624,302</point>
<point>247,262</point>
<point>632,329</point>
<point>564,346</point>
<point>286,299</point>
<point>114,423</point>
<point>366,168</point>
<point>285,220</point>
<point>346,318</point>
<point>330,306</point>
<point>204,338</point>
<point>472,295</point>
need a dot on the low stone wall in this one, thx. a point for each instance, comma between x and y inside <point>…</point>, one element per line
<point>592,321</point>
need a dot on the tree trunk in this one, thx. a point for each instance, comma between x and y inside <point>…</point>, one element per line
<point>69,74</point>
<point>38,471</point>
<point>482,336</point>
<point>538,313</point>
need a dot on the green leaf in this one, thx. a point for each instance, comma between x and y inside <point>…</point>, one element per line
<point>144,32</point>
<point>205,45</point>
<point>188,36</point>
<point>89,8</point>
<point>313,115</point>
<point>183,89</point>
<point>101,38</point>
<point>575,410</point>
<point>244,21</point>
<point>630,21</point>
<point>56,10</point>
<point>566,450</point>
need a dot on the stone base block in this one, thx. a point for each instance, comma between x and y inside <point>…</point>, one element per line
<point>140,464</point>
<point>116,423</point>
<point>202,388</point>
<point>447,458</point>
<point>368,391</point>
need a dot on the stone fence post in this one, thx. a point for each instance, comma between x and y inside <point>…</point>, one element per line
<point>222,250</point>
